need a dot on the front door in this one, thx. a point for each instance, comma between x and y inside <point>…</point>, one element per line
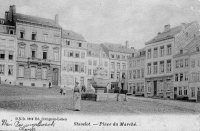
<point>198,94</point>
<point>155,87</point>
<point>175,92</point>
<point>55,76</point>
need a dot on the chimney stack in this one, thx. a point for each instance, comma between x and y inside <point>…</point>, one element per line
<point>127,44</point>
<point>6,16</point>
<point>11,14</point>
<point>56,18</point>
<point>166,28</point>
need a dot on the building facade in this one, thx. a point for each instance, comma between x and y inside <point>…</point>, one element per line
<point>118,55</point>
<point>159,58</point>
<point>73,62</point>
<point>8,50</point>
<point>38,49</point>
<point>96,57</point>
<point>136,68</point>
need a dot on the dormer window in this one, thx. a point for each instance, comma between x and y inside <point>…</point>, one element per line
<point>197,49</point>
<point>181,51</point>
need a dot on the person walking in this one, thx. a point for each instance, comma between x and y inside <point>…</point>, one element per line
<point>117,90</point>
<point>77,97</point>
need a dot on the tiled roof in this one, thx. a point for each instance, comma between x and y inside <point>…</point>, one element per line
<point>36,20</point>
<point>117,48</point>
<point>93,46</point>
<point>168,34</point>
<point>68,34</point>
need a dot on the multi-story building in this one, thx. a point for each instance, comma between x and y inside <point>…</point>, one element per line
<point>181,74</point>
<point>38,49</point>
<point>118,55</point>
<point>8,50</point>
<point>96,57</point>
<point>73,61</point>
<point>160,51</point>
<point>136,68</point>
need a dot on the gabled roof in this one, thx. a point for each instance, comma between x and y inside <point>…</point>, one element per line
<point>117,48</point>
<point>169,34</point>
<point>68,34</point>
<point>36,20</point>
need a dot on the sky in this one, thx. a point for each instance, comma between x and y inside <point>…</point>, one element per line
<point>114,21</point>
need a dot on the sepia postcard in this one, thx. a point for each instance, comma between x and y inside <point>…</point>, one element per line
<point>99,65</point>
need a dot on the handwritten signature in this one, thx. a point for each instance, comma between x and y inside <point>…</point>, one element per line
<point>30,126</point>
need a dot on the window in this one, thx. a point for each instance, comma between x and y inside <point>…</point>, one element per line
<point>181,51</point>
<point>44,55</point>
<point>118,75</point>
<point>56,54</point>
<point>162,51</point>
<point>105,63</point>
<point>2,69</point>
<point>168,65</point>
<point>197,49</point>
<point>33,72</point>
<point>176,77</point>
<point>149,54</point>
<point>89,72</point>
<point>162,67</point>
<point>118,56</point>
<point>130,74</point>
<point>21,71</point>
<point>124,66</point>
<point>112,75</point>
<point>149,86</point>
<point>155,53</point>
<point>67,42</point>
<point>82,67</point>
<point>155,67</point>
<point>79,44</point>
<point>2,54</point>
<point>82,54</point>
<point>44,73</point>
<point>199,62</point>
<point>33,36</point>
<point>149,68</point>
<point>45,37</point>
<point>134,74</point>
<point>11,32</point>
<point>193,63</point>
<point>33,54</point>
<point>181,76</point>
<point>71,54</point>
<point>21,51</point>
<point>10,69</point>
<point>21,34</point>
<point>186,62</point>
<point>180,91</point>
<point>142,73</point>
<point>89,62</point>
<point>112,56</point>
<point>94,62</point>
<point>77,54</point>
<point>186,76</point>
<point>181,63</point>
<point>118,66</point>
<point>185,90</point>
<point>192,91</point>
<point>169,49</point>
<point>177,63</point>
<point>138,73</point>
<point>10,55</point>
<point>123,57</point>
<point>76,68</point>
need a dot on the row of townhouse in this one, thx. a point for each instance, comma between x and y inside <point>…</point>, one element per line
<point>167,67</point>
<point>35,51</point>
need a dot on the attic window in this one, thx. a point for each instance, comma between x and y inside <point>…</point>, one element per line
<point>197,49</point>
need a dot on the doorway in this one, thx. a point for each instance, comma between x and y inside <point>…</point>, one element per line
<point>155,88</point>
<point>175,92</point>
<point>55,76</point>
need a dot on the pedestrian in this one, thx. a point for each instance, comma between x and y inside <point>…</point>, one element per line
<point>117,90</point>
<point>49,84</point>
<point>76,97</point>
<point>83,89</point>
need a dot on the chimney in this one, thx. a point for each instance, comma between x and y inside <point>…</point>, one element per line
<point>166,28</point>
<point>127,44</point>
<point>56,18</point>
<point>11,14</point>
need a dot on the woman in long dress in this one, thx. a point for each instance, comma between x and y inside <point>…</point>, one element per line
<point>77,97</point>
